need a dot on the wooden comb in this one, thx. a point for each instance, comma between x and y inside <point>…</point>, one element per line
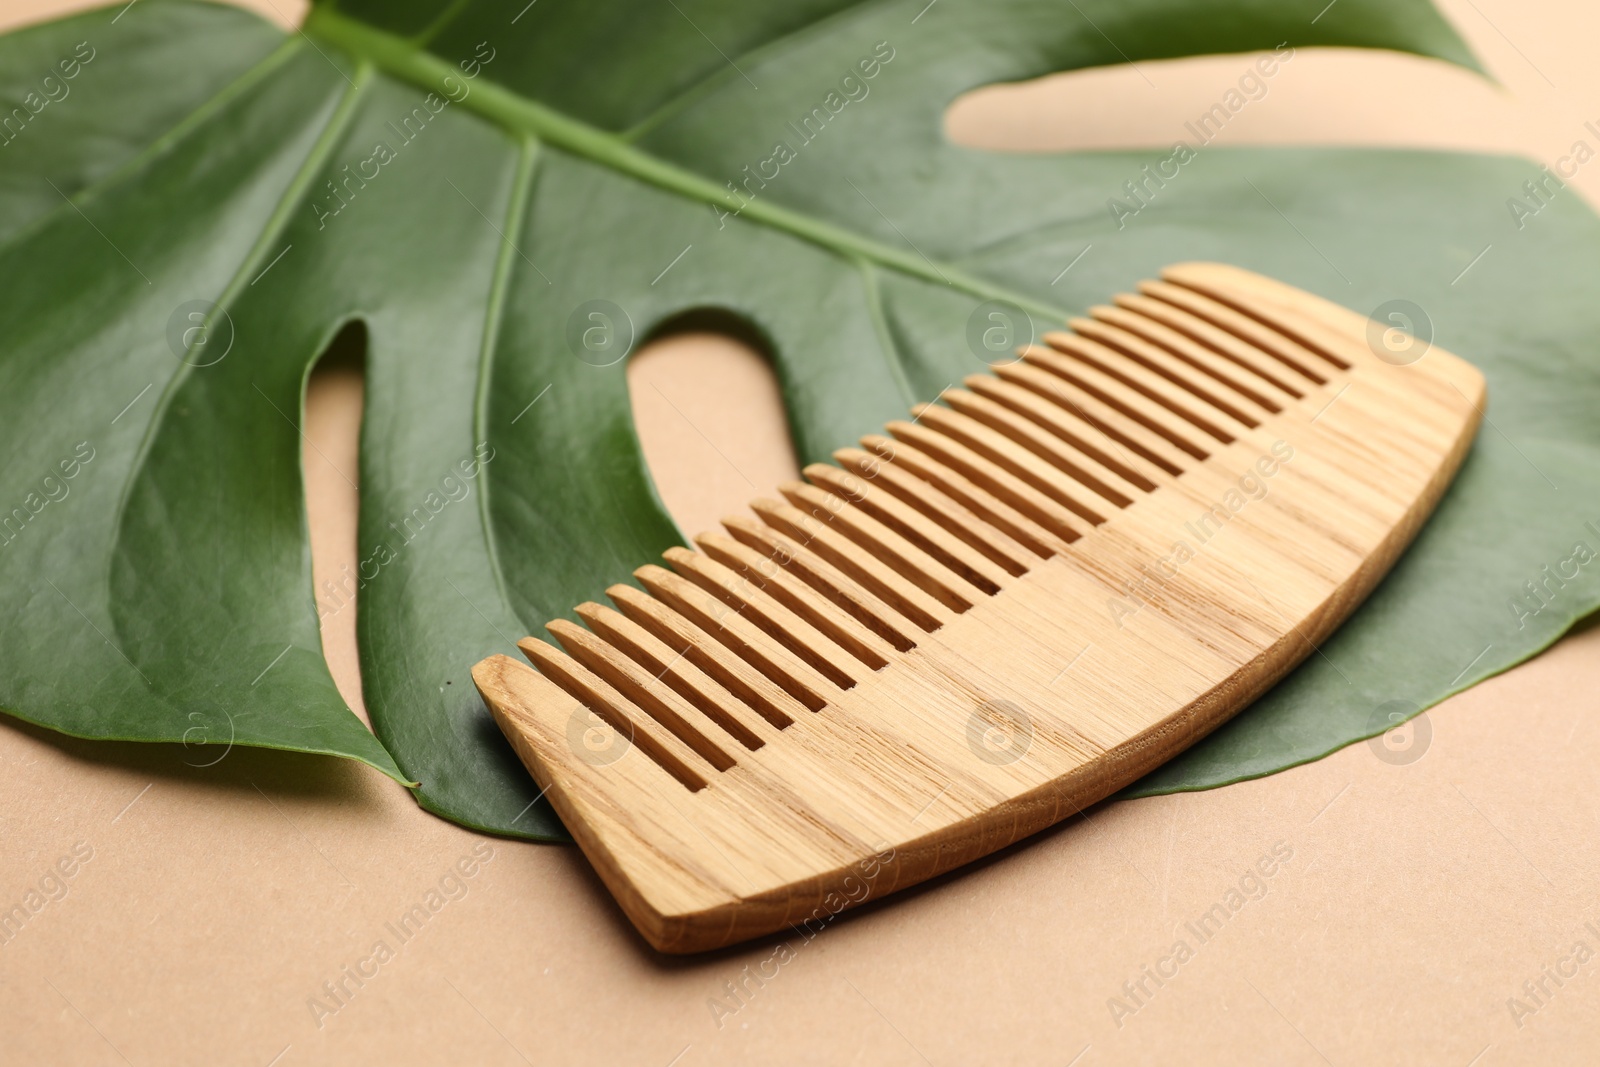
<point>1007,608</point>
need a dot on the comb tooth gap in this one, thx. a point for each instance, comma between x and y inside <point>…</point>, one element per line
<point>614,710</point>
<point>1153,387</point>
<point>1073,462</point>
<point>906,598</point>
<point>699,648</point>
<point>776,621</point>
<point>698,689</point>
<point>658,701</point>
<point>798,597</point>
<point>1151,304</point>
<point>999,449</point>
<point>986,505</point>
<point>827,580</point>
<point>1202,319</point>
<point>719,702</point>
<point>738,634</point>
<point>1113,394</point>
<point>934,505</point>
<point>1138,472</point>
<point>1246,329</point>
<point>920,568</point>
<point>1158,363</point>
<point>893,514</point>
<point>1273,330</point>
<point>1198,359</point>
<point>1042,509</point>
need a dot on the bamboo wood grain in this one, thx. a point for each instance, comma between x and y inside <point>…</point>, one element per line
<point>1013,604</point>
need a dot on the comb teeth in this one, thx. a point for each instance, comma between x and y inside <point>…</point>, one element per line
<point>884,658</point>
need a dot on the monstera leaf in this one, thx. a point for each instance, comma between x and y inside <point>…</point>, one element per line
<point>504,199</point>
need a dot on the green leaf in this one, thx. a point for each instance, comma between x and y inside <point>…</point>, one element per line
<point>571,154</point>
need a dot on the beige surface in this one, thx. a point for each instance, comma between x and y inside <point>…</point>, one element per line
<point>1416,900</point>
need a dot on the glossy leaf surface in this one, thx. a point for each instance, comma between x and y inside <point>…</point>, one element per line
<point>184,231</point>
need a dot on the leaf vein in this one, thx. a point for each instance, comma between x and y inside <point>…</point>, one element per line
<point>681,101</point>
<point>886,339</point>
<point>181,129</point>
<point>338,122</point>
<point>528,160</point>
<point>520,115</point>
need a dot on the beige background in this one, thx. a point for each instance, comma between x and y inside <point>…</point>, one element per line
<point>1418,898</point>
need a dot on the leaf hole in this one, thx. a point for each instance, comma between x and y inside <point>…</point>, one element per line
<point>710,417</point>
<point>1160,101</point>
<point>330,462</point>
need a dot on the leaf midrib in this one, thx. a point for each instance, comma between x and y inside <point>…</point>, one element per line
<point>402,59</point>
